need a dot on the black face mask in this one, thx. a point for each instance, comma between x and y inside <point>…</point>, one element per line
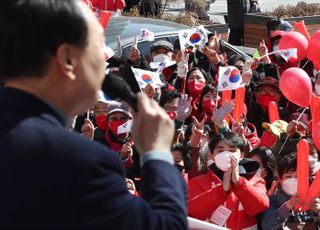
<point>247,168</point>
<point>218,172</point>
<point>179,167</point>
<point>296,136</point>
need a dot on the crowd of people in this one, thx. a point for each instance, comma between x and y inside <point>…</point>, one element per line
<point>240,173</point>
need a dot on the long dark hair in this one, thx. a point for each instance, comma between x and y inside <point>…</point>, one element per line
<point>208,88</point>
<point>206,76</point>
<point>268,162</point>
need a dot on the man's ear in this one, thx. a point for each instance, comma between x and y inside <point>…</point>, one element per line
<point>67,60</point>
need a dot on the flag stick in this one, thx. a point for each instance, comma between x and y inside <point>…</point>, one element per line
<point>88,114</point>
<point>305,64</point>
<point>285,141</point>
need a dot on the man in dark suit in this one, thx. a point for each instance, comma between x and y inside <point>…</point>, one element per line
<point>52,62</point>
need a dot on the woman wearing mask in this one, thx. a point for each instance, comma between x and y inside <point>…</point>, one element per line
<point>228,195</point>
<point>207,103</point>
<point>268,166</point>
<point>194,83</point>
<point>280,214</point>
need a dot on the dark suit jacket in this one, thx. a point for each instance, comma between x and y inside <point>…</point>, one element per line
<point>52,178</point>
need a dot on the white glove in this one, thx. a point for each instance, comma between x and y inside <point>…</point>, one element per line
<point>182,69</point>
<point>219,115</point>
<point>184,107</point>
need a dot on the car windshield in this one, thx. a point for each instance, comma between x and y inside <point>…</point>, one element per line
<point>129,27</point>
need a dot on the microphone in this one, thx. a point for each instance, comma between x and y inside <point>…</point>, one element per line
<point>116,87</point>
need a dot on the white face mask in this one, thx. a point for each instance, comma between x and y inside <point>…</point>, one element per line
<point>317,88</point>
<point>290,186</point>
<point>160,58</point>
<point>222,160</point>
<point>209,162</point>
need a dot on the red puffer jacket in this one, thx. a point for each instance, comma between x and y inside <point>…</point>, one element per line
<point>245,200</point>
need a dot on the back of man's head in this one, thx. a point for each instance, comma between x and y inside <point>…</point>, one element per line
<point>32,30</point>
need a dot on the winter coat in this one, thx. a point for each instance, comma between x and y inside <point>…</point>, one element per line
<point>245,200</point>
<point>277,216</point>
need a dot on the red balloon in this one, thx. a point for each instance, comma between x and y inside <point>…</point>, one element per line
<point>295,84</point>
<point>313,51</point>
<point>273,112</point>
<point>294,40</point>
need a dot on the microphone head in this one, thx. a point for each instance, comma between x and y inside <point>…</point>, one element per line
<point>117,88</point>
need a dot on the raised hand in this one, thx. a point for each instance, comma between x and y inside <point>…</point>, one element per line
<point>314,205</point>
<point>184,107</point>
<point>292,127</point>
<point>134,53</point>
<point>152,128</point>
<point>235,169</point>
<point>295,200</point>
<point>182,59</point>
<point>126,150</point>
<point>87,129</point>
<point>119,47</point>
<point>214,41</point>
<point>247,72</point>
<point>211,55</point>
<point>131,186</point>
<point>197,131</point>
<point>237,127</point>
<point>226,183</point>
<point>149,90</point>
<point>219,115</point>
<point>263,52</point>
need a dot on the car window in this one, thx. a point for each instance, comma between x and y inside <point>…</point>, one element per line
<point>144,46</point>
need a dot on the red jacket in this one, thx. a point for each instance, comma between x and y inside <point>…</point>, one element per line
<point>252,136</point>
<point>111,5</point>
<point>245,200</point>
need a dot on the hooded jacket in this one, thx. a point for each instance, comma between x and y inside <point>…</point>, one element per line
<point>250,133</point>
<point>245,200</point>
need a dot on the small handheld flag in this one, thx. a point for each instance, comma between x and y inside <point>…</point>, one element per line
<point>192,37</point>
<point>229,78</point>
<point>146,35</point>
<point>125,128</point>
<point>145,77</point>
